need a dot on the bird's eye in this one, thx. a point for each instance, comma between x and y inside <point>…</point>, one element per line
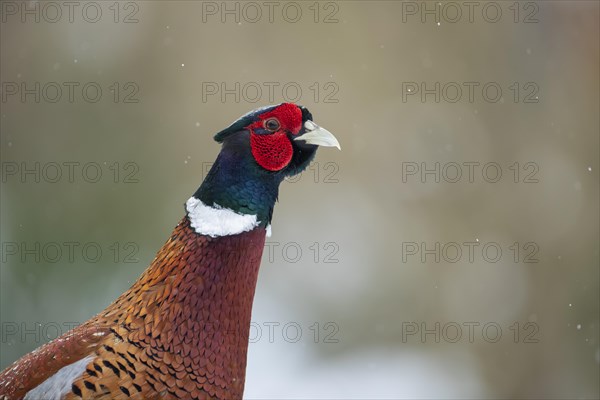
<point>272,124</point>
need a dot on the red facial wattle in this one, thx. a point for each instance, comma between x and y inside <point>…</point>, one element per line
<point>273,151</point>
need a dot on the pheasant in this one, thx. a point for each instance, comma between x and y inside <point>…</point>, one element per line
<point>181,330</point>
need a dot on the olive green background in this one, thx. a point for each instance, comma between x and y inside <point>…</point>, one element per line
<point>356,205</point>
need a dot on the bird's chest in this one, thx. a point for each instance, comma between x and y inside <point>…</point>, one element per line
<point>192,317</point>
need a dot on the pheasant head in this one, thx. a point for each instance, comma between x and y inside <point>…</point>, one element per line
<point>259,150</point>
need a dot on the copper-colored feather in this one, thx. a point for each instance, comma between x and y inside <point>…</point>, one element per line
<point>181,331</point>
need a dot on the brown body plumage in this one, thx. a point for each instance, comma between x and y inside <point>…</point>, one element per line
<point>181,331</point>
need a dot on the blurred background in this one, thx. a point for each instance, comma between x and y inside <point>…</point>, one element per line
<point>449,251</point>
